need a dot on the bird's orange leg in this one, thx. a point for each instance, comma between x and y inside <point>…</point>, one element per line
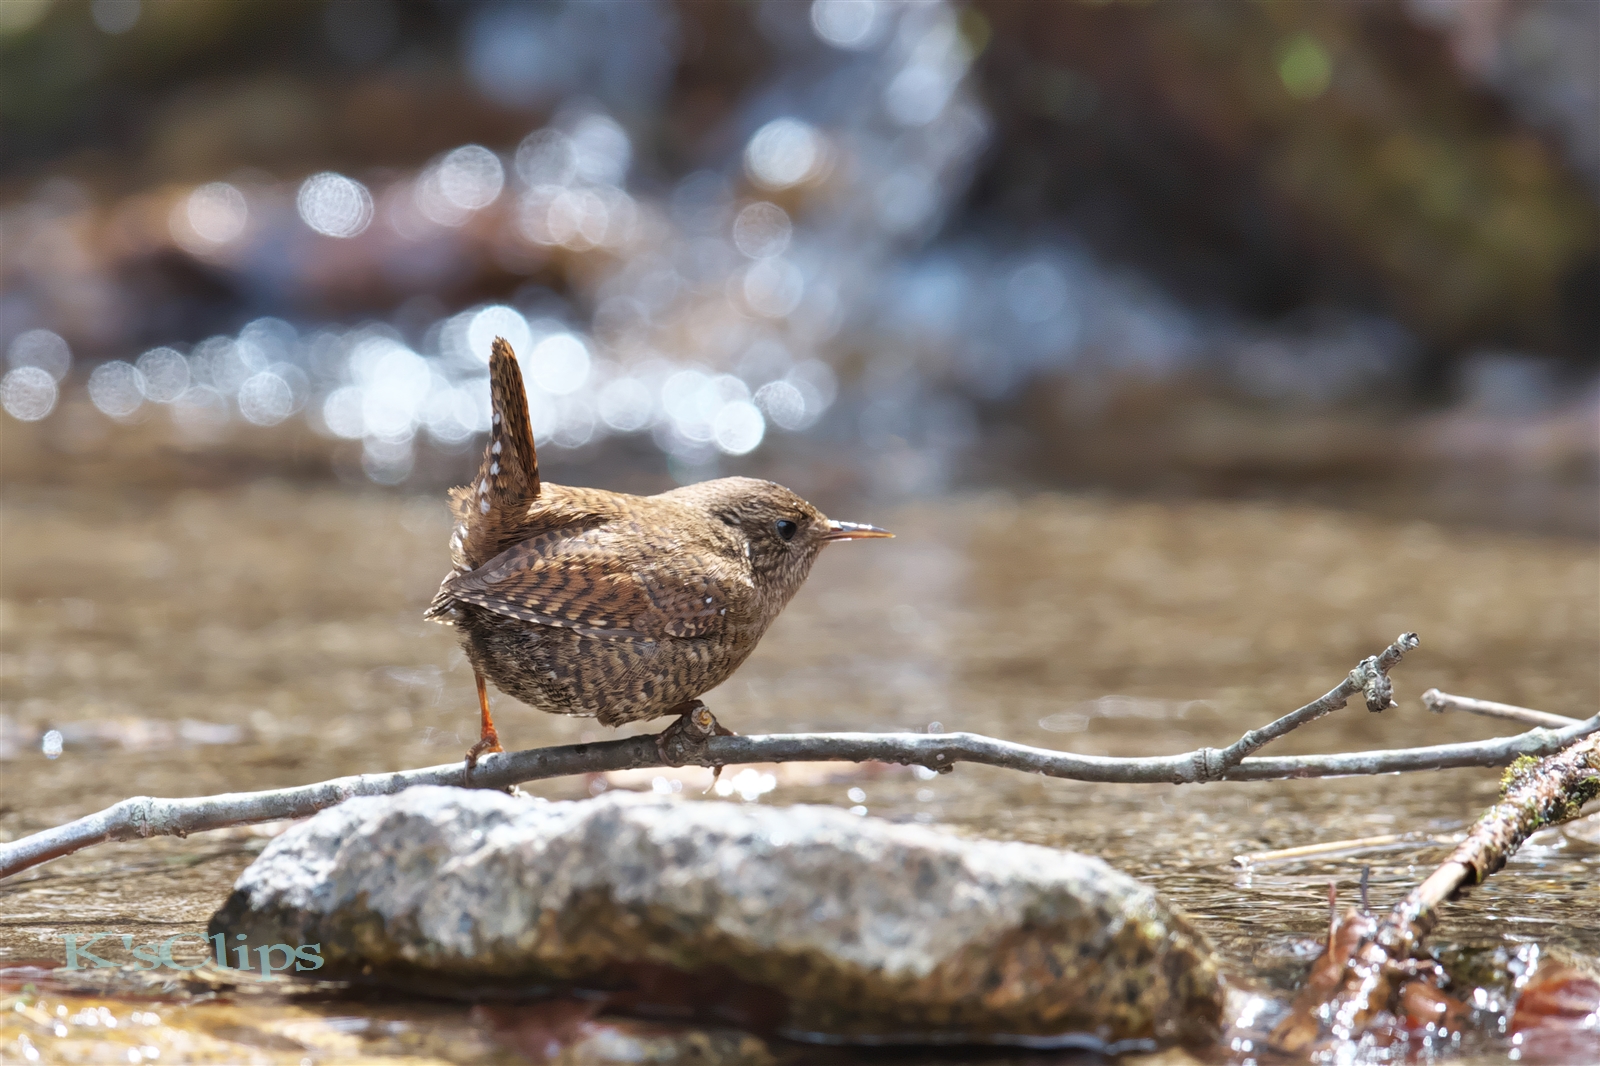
<point>488,739</point>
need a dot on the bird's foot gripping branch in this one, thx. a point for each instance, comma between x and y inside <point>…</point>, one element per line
<point>144,816</point>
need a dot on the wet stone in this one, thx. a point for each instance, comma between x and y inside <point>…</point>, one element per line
<point>804,921</point>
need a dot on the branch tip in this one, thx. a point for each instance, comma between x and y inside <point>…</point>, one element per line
<point>1373,673</point>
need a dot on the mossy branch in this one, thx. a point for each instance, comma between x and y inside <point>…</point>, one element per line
<point>1534,793</point>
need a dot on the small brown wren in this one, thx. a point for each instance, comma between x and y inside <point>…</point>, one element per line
<point>595,603</point>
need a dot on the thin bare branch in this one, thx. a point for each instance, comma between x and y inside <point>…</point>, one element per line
<point>1371,677</point>
<point>1439,702</point>
<point>1497,752</point>
<point>144,816</point>
<point>1330,848</point>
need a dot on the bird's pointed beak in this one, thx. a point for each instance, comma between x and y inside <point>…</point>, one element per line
<point>853,531</point>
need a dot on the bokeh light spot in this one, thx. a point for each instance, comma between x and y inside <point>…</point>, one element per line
<point>738,427</point>
<point>546,157</point>
<point>471,177</point>
<point>28,393</point>
<point>165,373</point>
<point>341,413</point>
<point>918,94</point>
<point>117,388</point>
<point>601,150</point>
<point>43,349</point>
<point>427,193</point>
<point>854,24</point>
<point>681,396</point>
<point>783,153</point>
<point>762,230</point>
<point>577,219</point>
<point>265,399</point>
<point>626,405</point>
<point>783,403</point>
<point>334,205</point>
<point>217,213</point>
<point>395,383</point>
<point>498,320</point>
<point>559,364</point>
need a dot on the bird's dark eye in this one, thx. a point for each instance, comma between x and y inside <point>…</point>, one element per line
<point>787,529</point>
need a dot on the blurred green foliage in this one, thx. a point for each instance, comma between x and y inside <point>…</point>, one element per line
<point>1301,152</point>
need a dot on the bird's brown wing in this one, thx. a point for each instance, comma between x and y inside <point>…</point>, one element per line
<point>579,580</point>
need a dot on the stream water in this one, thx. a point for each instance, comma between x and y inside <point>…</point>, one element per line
<point>188,642</point>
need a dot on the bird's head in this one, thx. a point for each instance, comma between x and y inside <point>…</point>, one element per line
<point>779,533</point>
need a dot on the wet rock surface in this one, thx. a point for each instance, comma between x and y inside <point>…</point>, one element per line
<point>807,921</point>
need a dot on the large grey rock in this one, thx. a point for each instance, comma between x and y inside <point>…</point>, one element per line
<point>845,927</point>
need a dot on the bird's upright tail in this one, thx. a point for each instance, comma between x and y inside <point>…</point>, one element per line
<point>508,477</point>
<point>511,435</point>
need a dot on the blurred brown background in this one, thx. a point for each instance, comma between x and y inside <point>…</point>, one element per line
<point>1336,251</point>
